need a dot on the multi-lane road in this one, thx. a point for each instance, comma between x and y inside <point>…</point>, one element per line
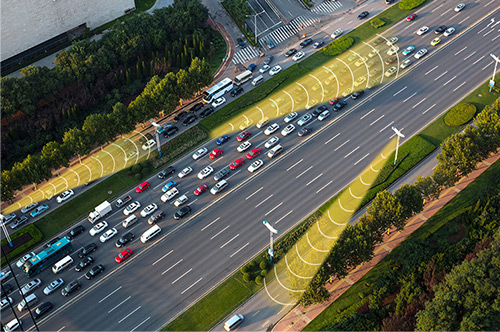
<point>190,257</point>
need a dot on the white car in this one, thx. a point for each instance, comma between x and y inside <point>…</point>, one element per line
<point>205,172</point>
<point>323,115</point>
<point>361,61</point>
<point>4,274</point>
<point>264,69</point>
<point>13,325</point>
<point>23,259</point>
<point>420,53</point>
<point>181,200</point>
<point>391,71</point>
<point>449,31</point>
<point>98,228</point>
<point>337,33</point>
<point>299,55</point>
<point>5,302</point>
<point>149,144</point>
<point>288,129</point>
<point>219,101</point>
<point>275,70</point>
<point>290,117</point>
<point>459,7</point>
<point>30,286</point>
<point>200,153</point>
<point>185,172</point>
<point>255,166</point>
<point>148,210</point>
<point>108,235</point>
<point>272,142</point>
<point>405,64</point>
<point>304,120</point>
<point>262,123</point>
<point>271,129</point>
<point>64,196</point>
<point>246,124</point>
<point>393,50</point>
<point>392,41</point>
<point>131,208</point>
<point>54,285</point>
<point>422,30</point>
<point>244,146</point>
<point>359,81</point>
<point>372,53</point>
<point>169,194</point>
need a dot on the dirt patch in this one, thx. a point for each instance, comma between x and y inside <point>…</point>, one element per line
<point>17,242</point>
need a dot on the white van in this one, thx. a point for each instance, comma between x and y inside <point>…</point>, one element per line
<point>129,221</point>
<point>150,233</point>
<point>31,299</point>
<point>275,151</point>
<point>233,322</point>
<point>259,79</point>
<point>12,325</point>
<point>219,186</point>
<point>62,264</point>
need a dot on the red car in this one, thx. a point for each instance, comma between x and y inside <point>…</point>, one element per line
<point>411,17</point>
<point>254,153</point>
<point>201,189</point>
<point>237,163</point>
<point>215,153</point>
<point>334,101</point>
<point>243,136</point>
<point>123,255</point>
<point>143,186</point>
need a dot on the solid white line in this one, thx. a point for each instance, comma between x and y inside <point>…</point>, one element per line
<point>298,176</point>
<point>397,93</point>
<point>193,201</point>
<point>430,70</point>
<point>347,155</point>
<point>366,155</point>
<point>237,251</point>
<point>274,208</point>
<point>197,281</point>
<point>458,87</point>
<point>440,75</point>
<point>331,139</point>
<point>209,224</point>
<point>489,3</point>
<point>419,103</point>
<point>428,109</point>
<point>377,119</point>
<point>413,95</point>
<point>469,55</point>
<point>116,290</point>
<point>254,192</point>
<point>308,183</point>
<point>229,241</point>
<point>234,173</point>
<point>326,185</point>
<point>298,162</point>
<point>286,215</point>
<point>341,145</point>
<point>489,64</point>
<point>163,257</point>
<point>464,20</point>
<point>445,12</point>
<point>213,237</point>
<point>119,304</point>
<point>172,267</point>
<point>463,49</point>
<point>381,130</point>
<point>481,58</point>
<point>451,79</point>
<point>121,320</point>
<point>173,282</point>
<point>361,118</point>
<point>61,328</point>
<point>144,321</point>
<point>216,160</point>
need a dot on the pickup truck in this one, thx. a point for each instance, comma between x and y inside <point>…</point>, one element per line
<point>122,201</point>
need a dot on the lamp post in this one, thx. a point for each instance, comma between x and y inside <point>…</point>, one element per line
<point>7,235</point>
<point>157,136</point>
<point>497,60</point>
<point>399,134</point>
<point>272,231</point>
<point>255,25</point>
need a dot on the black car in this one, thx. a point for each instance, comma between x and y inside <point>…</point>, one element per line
<point>126,238</point>
<point>6,289</point>
<point>236,91</point>
<point>167,171</point>
<point>18,222</point>
<point>241,42</point>
<point>71,287</point>
<point>206,112</point>
<point>440,30</point>
<point>51,242</point>
<point>340,105</point>
<point>170,131</point>
<point>306,42</point>
<point>84,263</point>
<point>319,110</point>
<point>357,94</point>
<point>95,271</point>
<point>268,59</point>
<point>87,250</point>
<point>190,119</point>
<point>362,15</point>
<point>182,212</point>
<point>157,216</point>
<point>221,174</point>
<point>196,107</point>
<point>290,52</point>
<point>74,232</point>
<point>388,2</point>
<point>378,41</point>
<point>180,116</point>
<point>304,131</point>
<point>42,309</point>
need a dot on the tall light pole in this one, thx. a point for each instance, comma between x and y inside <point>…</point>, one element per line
<point>272,231</point>
<point>399,134</point>
<point>497,60</point>
<point>7,235</point>
<point>255,25</point>
<point>157,136</point>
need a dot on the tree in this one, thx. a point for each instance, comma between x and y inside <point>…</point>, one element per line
<point>54,155</point>
<point>410,200</point>
<point>9,183</point>
<point>386,212</point>
<point>77,142</point>
<point>33,170</point>
<point>239,8</point>
<point>488,125</point>
<point>458,157</point>
<point>99,128</point>
<point>427,187</point>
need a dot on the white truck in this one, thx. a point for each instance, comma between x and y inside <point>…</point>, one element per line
<point>100,211</point>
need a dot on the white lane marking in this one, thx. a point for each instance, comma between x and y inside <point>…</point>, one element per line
<point>495,38</point>
<point>326,185</point>
<point>458,87</point>
<point>464,20</point>
<point>451,18</point>
<point>397,93</point>
<point>430,71</point>
<point>144,321</point>
<point>380,117</point>
<point>463,49</point>
<point>173,282</point>
<point>61,328</point>
<point>237,251</point>
<point>451,79</point>
<point>286,215</point>
<point>489,3</point>
<point>341,145</point>
<point>262,202</point>
<point>254,192</point>
<point>381,130</point>
<point>121,320</point>
<point>347,155</point>
<point>308,183</point>
<point>440,75</point>
<point>222,246</point>
<point>194,283</point>
<point>331,139</point>
<point>210,224</point>
<point>419,103</point>
<point>444,13</point>
<point>274,208</point>
<point>172,266</point>
<point>489,64</point>
<point>298,162</point>
<point>366,155</point>
<point>193,201</point>
<point>163,257</point>
<point>432,11</point>
<point>234,173</point>
<point>361,118</point>
<point>298,176</point>
<point>216,160</point>
<point>428,109</point>
<point>116,290</point>
<point>162,183</point>
<point>119,304</point>
<point>487,33</point>
<point>213,237</point>
<point>469,55</point>
<point>260,132</point>
<point>413,95</point>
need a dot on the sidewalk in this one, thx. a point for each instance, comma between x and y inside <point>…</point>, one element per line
<point>299,316</point>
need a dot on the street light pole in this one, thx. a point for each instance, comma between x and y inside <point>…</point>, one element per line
<point>497,60</point>
<point>255,25</point>
<point>399,134</point>
<point>272,231</point>
<point>157,136</point>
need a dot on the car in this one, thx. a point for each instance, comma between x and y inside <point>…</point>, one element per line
<point>391,71</point>
<point>236,91</point>
<point>98,228</point>
<point>244,146</point>
<point>360,81</point>
<point>459,7</point>
<point>304,131</point>
<point>289,118</point>
<point>9,217</point>
<point>223,139</point>
<point>318,44</point>
<point>169,185</point>
<point>42,309</point>
<point>252,67</point>
<point>388,2</point>
<point>288,130</point>
<point>71,288</point>
<point>185,172</point>
<point>166,172</point>
<point>298,56</point>
<point>263,122</point>
<point>268,59</point>
<point>53,286</point>
<point>182,212</point>
<point>206,112</point>
<point>254,153</point>
<point>411,17</point>
<point>23,259</point>
<point>162,129</point>
<point>85,251</point>
<point>237,163</point>
<point>190,119</point>
<point>142,187</point>
<point>28,208</point>
<point>306,42</point>
<point>123,255</point>
<point>53,241</point>
<point>304,119</point>
<point>346,93</point>
<point>126,238</point>
<point>375,72</point>
<point>149,144</point>
<point>319,110</point>
<point>200,153</point>
<point>181,115</point>
<point>5,302</point>
<point>340,105</point>
<point>12,325</point>
<point>131,208</point>
<point>39,210</point>
<point>372,62</point>
<point>362,15</point>
<point>108,235</point>
<point>271,142</point>
<point>337,33</point>
<point>241,42</point>
<point>84,263</point>
<point>196,107</point>
<point>30,286</point>
<point>405,64</point>
<point>94,271</point>
<point>255,166</point>
<point>435,41</point>
<point>215,153</point>
<point>181,200</point>
<point>169,194</point>
<point>378,41</point>
<point>440,29</point>
<point>4,274</point>
<point>6,289</point>
<point>393,50</point>
<point>422,30</point>
<point>271,129</point>
<point>246,124</point>
<point>148,210</point>
<point>357,94</point>
<point>323,115</point>
<point>171,131</point>
<point>290,52</point>
<point>334,101</point>
<point>449,32</point>
<point>205,172</point>
<point>408,50</point>
<point>373,53</point>
<point>200,190</point>
<point>243,136</point>
<point>390,60</point>
<point>18,222</point>
<point>420,53</point>
<point>156,217</point>
<point>275,70</point>
<point>264,69</point>
<point>269,44</point>
<point>64,196</point>
<point>361,61</point>
<point>219,101</point>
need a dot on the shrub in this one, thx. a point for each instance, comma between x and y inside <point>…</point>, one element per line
<point>137,168</point>
<point>263,265</point>
<point>138,176</point>
<point>460,114</point>
<point>258,280</point>
<point>244,269</point>
<point>377,22</point>
<point>361,295</point>
<point>246,277</point>
<point>146,171</point>
<point>338,46</point>
<point>263,273</point>
<point>410,4</point>
<point>252,265</point>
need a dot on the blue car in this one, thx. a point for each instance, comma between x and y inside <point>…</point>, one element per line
<point>39,210</point>
<point>223,139</point>
<point>165,127</point>
<point>318,44</point>
<point>169,185</point>
<point>252,67</point>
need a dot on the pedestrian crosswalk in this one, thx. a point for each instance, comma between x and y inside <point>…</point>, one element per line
<point>328,6</point>
<point>245,54</point>
<point>293,28</point>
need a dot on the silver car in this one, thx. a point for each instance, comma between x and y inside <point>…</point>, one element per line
<point>30,286</point>
<point>54,285</point>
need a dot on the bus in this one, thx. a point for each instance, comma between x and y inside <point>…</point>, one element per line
<point>243,77</point>
<point>47,258</point>
<point>217,90</point>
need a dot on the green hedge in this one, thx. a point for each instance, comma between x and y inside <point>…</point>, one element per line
<point>410,4</point>
<point>338,46</point>
<point>377,22</point>
<point>460,114</point>
<point>36,236</point>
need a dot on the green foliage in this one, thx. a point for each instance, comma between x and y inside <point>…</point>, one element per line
<point>263,273</point>
<point>246,277</point>
<point>258,280</point>
<point>239,10</point>
<point>137,168</point>
<point>36,236</point>
<point>244,269</point>
<point>338,46</point>
<point>460,114</point>
<point>377,22</point>
<point>410,4</point>
<point>263,265</point>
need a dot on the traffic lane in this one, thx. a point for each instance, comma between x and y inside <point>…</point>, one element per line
<point>268,18</point>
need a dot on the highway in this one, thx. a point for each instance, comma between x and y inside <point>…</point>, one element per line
<point>192,256</point>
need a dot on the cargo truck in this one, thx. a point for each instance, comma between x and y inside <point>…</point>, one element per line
<point>100,211</point>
